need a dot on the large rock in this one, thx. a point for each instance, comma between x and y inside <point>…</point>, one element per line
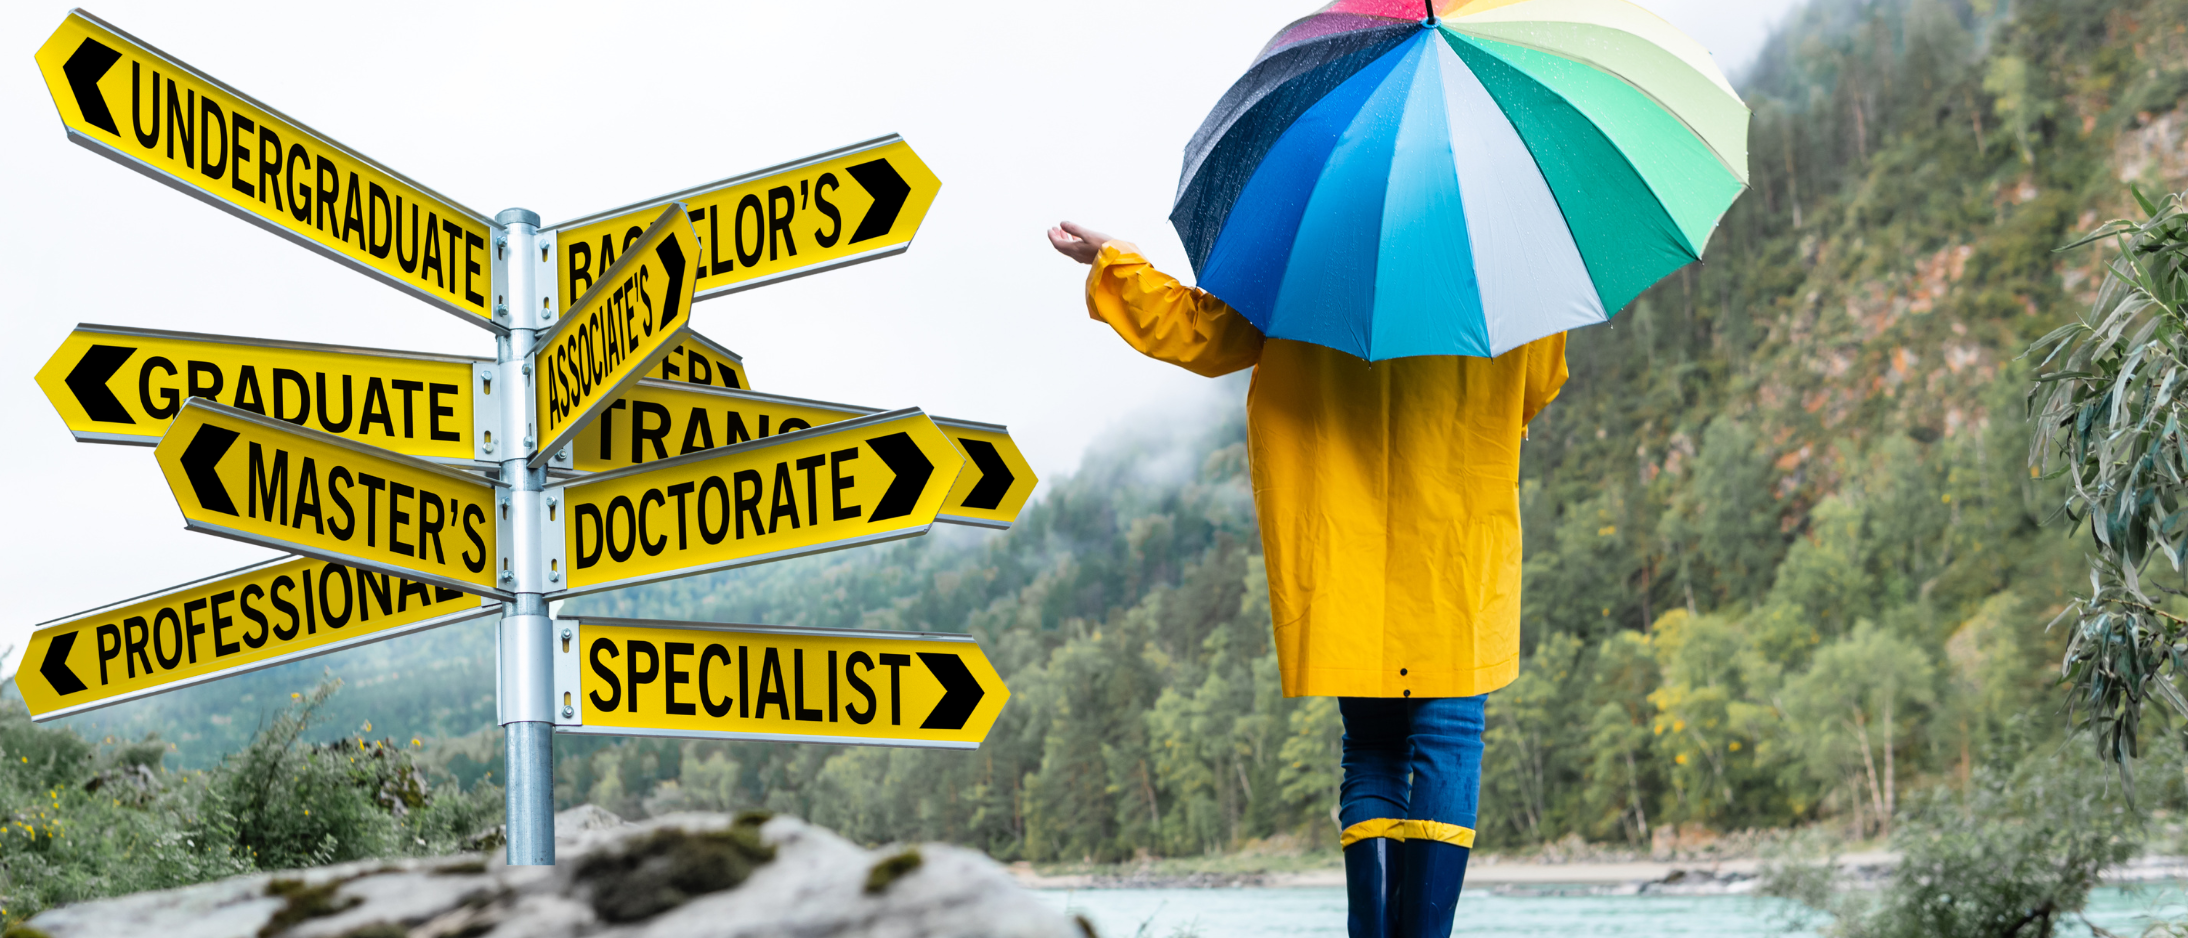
<point>680,876</point>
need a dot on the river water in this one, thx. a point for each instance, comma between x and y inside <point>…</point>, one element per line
<point>1320,912</point>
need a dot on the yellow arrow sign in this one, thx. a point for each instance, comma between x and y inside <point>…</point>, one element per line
<point>131,103</point>
<point>257,617</point>
<point>861,481</point>
<point>701,680</point>
<point>120,385</point>
<point>834,209</point>
<point>655,420</point>
<point>253,478</point>
<point>702,361</point>
<point>625,325</point>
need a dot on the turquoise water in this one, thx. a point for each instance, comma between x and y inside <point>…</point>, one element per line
<point>1320,912</point>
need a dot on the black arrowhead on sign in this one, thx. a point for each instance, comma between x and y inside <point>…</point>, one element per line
<point>995,475</point>
<point>84,69</point>
<point>888,189</point>
<point>911,468</point>
<point>65,682</point>
<point>961,692</point>
<point>88,381</point>
<point>198,461</point>
<point>671,255</point>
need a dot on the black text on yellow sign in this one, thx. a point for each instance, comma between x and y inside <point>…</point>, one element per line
<point>121,385</point>
<point>862,481</point>
<point>131,103</point>
<point>704,362</point>
<point>253,478</point>
<point>842,207</point>
<point>260,616</point>
<point>624,326</point>
<point>708,681</point>
<point>655,420</point>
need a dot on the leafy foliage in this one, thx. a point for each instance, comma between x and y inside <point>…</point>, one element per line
<point>2109,418</point>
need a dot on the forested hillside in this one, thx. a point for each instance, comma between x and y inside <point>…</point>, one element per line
<point>1785,561</point>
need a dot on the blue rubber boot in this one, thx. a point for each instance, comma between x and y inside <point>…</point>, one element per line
<point>1428,894</point>
<point>1374,867</point>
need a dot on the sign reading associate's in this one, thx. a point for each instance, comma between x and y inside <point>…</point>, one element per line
<point>133,104</point>
<point>812,685</point>
<point>275,612</point>
<point>625,325</point>
<point>257,479</point>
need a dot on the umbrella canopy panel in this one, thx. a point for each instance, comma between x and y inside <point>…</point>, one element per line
<point>1394,186</point>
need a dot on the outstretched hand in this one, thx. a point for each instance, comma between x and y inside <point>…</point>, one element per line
<point>1077,241</point>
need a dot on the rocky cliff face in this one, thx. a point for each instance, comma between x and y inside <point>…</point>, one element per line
<point>681,875</point>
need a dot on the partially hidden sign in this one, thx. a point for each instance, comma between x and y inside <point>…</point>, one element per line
<point>253,478</point>
<point>133,104</point>
<point>833,209</point>
<point>625,325</point>
<point>655,420</point>
<point>704,362</point>
<point>123,385</point>
<point>257,617</point>
<point>708,681</point>
<point>861,481</point>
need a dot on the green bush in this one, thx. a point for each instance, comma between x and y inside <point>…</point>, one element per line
<point>80,821</point>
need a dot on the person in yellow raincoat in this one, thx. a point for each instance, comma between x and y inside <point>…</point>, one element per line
<point>1388,499</point>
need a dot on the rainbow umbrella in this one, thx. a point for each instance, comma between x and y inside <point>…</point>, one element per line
<point>1394,179</point>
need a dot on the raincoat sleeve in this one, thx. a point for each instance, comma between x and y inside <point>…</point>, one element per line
<point>1169,321</point>
<point>1545,374</point>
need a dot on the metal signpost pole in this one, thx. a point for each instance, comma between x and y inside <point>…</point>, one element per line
<point>526,694</point>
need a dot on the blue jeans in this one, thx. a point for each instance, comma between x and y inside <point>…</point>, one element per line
<point>1412,768</point>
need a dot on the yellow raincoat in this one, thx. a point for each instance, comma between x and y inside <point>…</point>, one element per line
<point>1388,492</point>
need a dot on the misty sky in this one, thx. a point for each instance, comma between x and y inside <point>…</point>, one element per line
<point>1029,113</point>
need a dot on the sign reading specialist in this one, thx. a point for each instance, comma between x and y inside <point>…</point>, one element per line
<point>708,681</point>
<point>121,385</point>
<point>275,612</point>
<point>654,420</point>
<point>833,209</point>
<point>257,479</point>
<point>857,482</point>
<point>131,103</point>
<point>624,326</point>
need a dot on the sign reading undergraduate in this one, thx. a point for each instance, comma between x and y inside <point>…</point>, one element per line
<point>702,680</point>
<point>856,482</point>
<point>257,617</point>
<point>624,326</point>
<point>131,103</point>
<point>256,479</point>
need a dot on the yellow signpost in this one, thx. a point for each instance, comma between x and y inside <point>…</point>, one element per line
<point>655,420</point>
<point>833,209</point>
<point>133,104</point>
<point>122,385</point>
<point>264,481</point>
<point>625,325</point>
<point>629,449</point>
<point>629,677</point>
<point>861,481</point>
<point>257,617</point>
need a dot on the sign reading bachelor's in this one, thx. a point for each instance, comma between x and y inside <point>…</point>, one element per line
<point>131,103</point>
<point>257,617</point>
<point>257,479</point>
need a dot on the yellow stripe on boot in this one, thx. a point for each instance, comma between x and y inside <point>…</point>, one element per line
<point>1392,828</point>
<point>1438,831</point>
